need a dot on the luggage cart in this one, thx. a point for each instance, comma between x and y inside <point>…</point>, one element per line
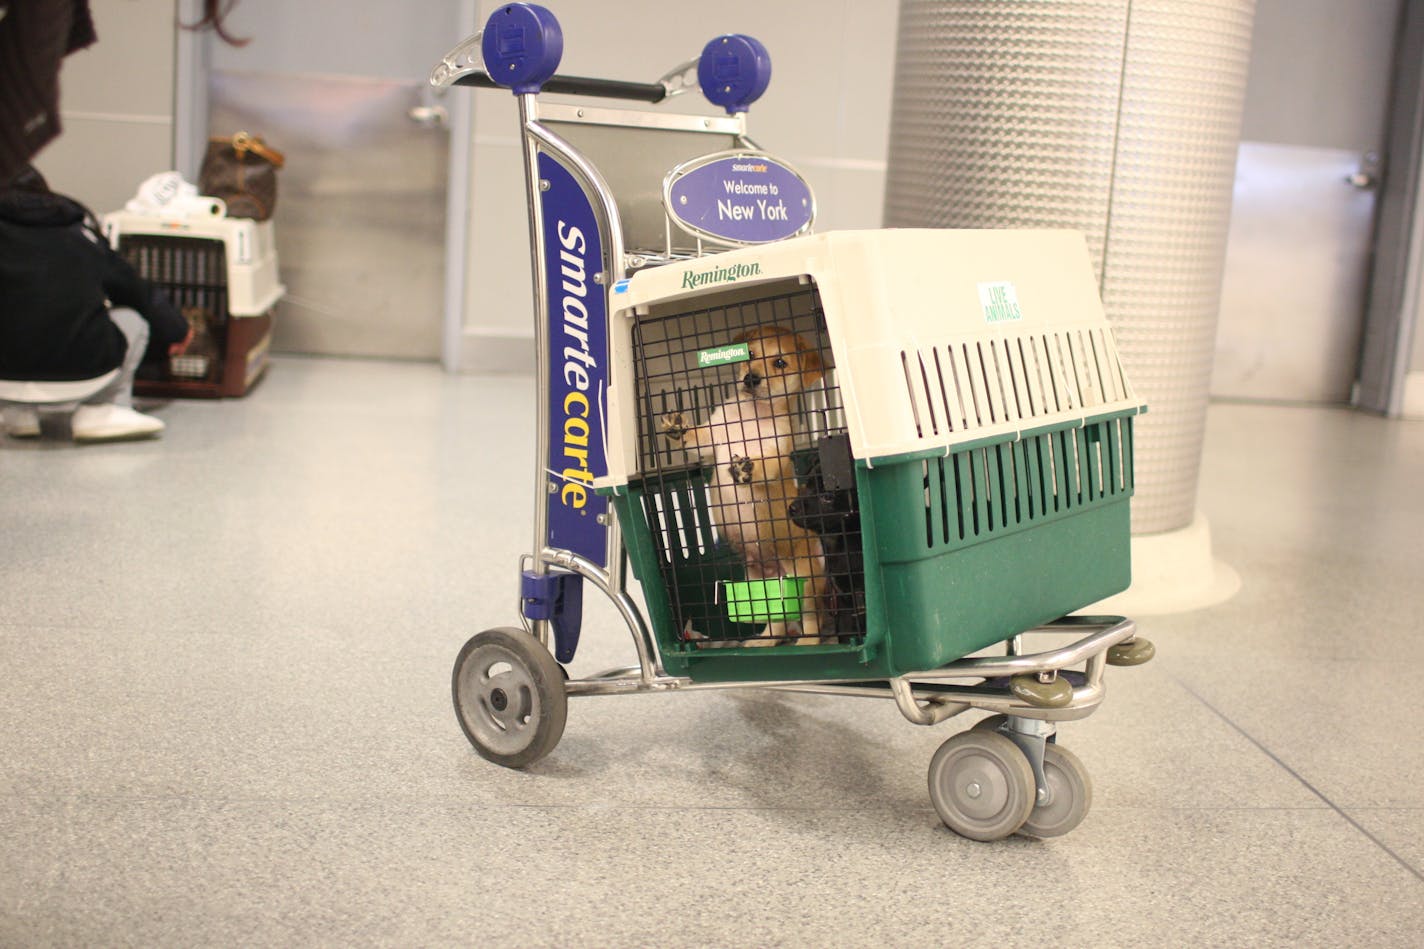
<point>877,463</point>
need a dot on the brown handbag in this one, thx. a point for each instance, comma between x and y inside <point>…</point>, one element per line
<point>242,170</point>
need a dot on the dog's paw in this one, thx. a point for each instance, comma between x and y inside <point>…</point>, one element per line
<point>741,469</point>
<point>673,427</point>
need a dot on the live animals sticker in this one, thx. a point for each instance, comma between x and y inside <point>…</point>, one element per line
<point>1000,302</point>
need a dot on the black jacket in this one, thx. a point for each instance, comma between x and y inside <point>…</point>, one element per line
<point>55,273</point>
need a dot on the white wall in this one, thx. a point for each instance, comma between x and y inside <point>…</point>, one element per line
<point>116,105</point>
<point>1320,73</point>
<point>827,112</point>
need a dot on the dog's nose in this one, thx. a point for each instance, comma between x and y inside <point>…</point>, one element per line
<point>751,380</point>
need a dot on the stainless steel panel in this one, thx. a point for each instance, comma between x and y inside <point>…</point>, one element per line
<point>1293,293</point>
<point>360,218</point>
<point>1119,118</point>
<point>634,161</point>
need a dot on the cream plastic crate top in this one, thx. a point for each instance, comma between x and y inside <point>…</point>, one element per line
<point>940,338</point>
<point>253,287</point>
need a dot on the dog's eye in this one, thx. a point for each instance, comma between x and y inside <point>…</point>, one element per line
<point>779,363</point>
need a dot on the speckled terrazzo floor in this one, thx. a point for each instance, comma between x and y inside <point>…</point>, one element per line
<point>226,714</point>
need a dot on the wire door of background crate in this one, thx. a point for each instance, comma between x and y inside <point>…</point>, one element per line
<point>192,273</point>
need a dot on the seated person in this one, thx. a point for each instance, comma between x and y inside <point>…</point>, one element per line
<point>58,277</point>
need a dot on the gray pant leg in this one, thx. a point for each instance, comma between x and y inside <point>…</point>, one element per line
<point>135,330</point>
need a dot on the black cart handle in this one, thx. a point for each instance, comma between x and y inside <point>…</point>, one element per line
<point>581,86</point>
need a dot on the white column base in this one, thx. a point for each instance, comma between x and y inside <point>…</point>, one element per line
<point>1173,572</point>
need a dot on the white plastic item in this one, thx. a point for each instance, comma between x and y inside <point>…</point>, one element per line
<point>251,249</point>
<point>167,194</point>
<point>42,392</point>
<point>940,338</point>
<point>1172,572</point>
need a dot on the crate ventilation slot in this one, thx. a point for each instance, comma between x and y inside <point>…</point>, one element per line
<point>973,494</point>
<point>968,386</point>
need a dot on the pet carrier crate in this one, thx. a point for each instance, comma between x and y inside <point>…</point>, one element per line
<point>221,273</point>
<point>961,455</point>
<point>840,464</point>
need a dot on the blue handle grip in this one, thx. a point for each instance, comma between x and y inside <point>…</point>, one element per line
<point>734,71</point>
<point>522,46</point>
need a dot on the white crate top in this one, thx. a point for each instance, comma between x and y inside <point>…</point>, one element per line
<point>253,286</point>
<point>940,337</point>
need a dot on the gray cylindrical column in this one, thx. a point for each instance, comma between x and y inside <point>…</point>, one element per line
<point>1120,118</point>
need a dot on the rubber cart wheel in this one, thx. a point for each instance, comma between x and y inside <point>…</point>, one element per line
<point>982,785</point>
<point>509,697</point>
<point>990,724</point>
<point>1072,795</point>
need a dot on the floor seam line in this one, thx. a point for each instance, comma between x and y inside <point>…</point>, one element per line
<point>1300,778</point>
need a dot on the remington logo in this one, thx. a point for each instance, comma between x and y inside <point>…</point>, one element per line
<point>692,280</point>
<point>721,356</point>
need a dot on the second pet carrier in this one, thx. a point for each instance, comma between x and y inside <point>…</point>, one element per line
<point>222,275</point>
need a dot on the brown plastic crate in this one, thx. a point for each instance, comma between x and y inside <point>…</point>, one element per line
<point>192,271</point>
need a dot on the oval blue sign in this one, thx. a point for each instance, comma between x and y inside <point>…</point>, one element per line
<point>739,198</point>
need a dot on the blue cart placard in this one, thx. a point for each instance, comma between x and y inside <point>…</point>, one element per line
<point>739,198</point>
<point>577,341</point>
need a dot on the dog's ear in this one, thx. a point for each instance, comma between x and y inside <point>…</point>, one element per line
<point>812,369</point>
<point>751,335</point>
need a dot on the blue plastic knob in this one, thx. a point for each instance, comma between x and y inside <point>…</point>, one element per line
<point>522,46</point>
<point>734,71</point>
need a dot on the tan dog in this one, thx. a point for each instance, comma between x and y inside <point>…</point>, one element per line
<point>750,438</point>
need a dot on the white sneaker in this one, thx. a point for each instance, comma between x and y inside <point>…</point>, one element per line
<point>109,422</point>
<point>21,422</point>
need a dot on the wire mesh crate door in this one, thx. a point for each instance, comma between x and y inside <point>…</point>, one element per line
<point>749,489</point>
<point>192,272</point>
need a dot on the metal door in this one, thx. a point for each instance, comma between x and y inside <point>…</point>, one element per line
<point>341,88</point>
<point>1299,248</point>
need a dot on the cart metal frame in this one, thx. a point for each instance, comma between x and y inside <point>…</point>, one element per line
<point>1034,691</point>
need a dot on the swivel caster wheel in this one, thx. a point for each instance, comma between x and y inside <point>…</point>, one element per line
<point>509,697</point>
<point>982,785</point>
<point>1070,795</point>
<point>1070,790</point>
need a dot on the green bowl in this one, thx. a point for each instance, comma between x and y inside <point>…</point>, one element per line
<point>762,601</point>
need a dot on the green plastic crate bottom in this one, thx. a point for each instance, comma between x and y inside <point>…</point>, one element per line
<point>921,613</point>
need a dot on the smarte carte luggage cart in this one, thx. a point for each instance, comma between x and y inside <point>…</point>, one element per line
<point>931,430</point>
